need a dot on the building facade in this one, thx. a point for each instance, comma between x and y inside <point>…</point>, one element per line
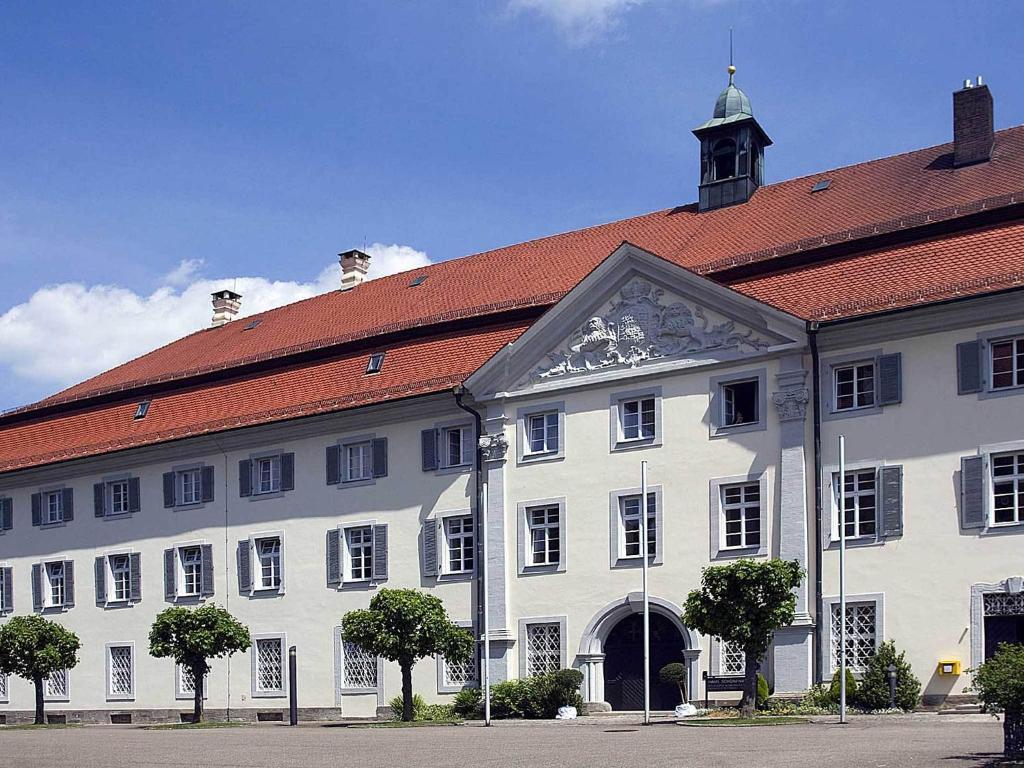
<point>288,465</point>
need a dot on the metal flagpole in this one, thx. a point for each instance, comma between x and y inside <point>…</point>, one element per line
<point>647,605</point>
<point>842,579</point>
<point>487,607</point>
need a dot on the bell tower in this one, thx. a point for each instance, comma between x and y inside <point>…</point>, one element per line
<point>731,151</point>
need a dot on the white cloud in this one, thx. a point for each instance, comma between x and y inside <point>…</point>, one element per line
<point>580,21</point>
<point>68,332</point>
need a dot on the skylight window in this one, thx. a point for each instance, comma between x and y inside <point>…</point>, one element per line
<point>253,324</point>
<point>375,363</point>
<point>418,280</point>
<point>141,410</point>
<point>821,186</point>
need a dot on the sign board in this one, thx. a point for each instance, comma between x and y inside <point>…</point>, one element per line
<point>718,683</point>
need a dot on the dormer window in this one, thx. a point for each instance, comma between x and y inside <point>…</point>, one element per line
<point>724,159</point>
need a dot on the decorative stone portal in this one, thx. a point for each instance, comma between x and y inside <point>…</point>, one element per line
<point>611,654</point>
<point>997,616</point>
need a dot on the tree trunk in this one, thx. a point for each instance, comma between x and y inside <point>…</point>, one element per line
<point>748,704</point>
<point>407,712</point>
<point>40,716</point>
<point>1013,734</point>
<point>197,701</point>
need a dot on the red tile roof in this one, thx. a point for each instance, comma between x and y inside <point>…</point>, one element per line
<point>428,354</point>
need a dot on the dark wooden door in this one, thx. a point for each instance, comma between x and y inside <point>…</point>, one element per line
<point>624,663</point>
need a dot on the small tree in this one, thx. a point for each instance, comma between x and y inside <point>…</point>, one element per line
<point>873,692</point>
<point>744,603</point>
<point>999,683</point>
<point>193,636</point>
<point>675,673</point>
<point>34,648</point>
<point>404,625</point>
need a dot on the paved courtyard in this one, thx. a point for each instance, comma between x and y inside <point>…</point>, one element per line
<point>924,740</point>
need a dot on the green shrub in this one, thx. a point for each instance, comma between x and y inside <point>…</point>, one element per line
<point>508,698</point>
<point>418,707</point>
<point>537,697</point>
<point>819,698</point>
<point>851,688</point>
<point>762,691</point>
<point>676,674</point>
<point>467,702</point>
<point>439,712</point>
<point>873,691</point>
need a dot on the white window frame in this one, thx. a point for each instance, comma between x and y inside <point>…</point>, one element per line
<point>269,693</point>
<point>626,514</point>
<point>619,441</point>
<point>182,499</point>
<point>272,461</point>
<point>465,432</point>
<point>828,603</point>
<point>855,366</point>
<point>1016,478</point>
<point>256,561</point>
<point>53,513</point>
<point>645,419</point>
<point>49,694</point>
<point>183,694</point>
<point>4,608</point>
<point>524,452</point>
<point>720,651</point>
<point>111,591</point>
<point>48,578</point>
<point>449,538</point>
<point>743,506</point>
<point>111,694</point>
<point>525,624</point>
<point>348,450</point>
<point>616,506</point>
<point>544,426</point>
<point>1016,374</point>
<point>545,527</point>
<point>116,505</point>
<point>838,486</point>
<point>179,560</point>
<point>346,552</point>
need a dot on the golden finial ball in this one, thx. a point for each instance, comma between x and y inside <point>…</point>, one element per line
<point>732,70</point>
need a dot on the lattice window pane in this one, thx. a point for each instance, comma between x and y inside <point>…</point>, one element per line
<point>57,685</point>
<point>1004,604</point>
<point>733,660</point>
<point>543,649</point>
<point>121,670</point>
<point>360,667</point>
<point>3,687</point>
<point>269,666</point>
<point>861,623</point>
<point>460,674</point>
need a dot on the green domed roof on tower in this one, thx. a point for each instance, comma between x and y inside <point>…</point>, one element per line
<point>732,105</point>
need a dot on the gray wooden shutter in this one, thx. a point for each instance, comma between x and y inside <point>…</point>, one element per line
<point>890,379</point>
<point>37,509</point>
<point>69,584</point>
<point>891,482</point>
<point>99,499</point>
<point>68,501</point>
<point>428,442</point>
<point>206,589</point>
<point>972,492</point>
<point>170,571</point>
<point>134,495</point>
<point>968,367</point>
<point>6,514</point>
<point>430,559</point>
<point>206,483</point>
<point>380,552</point>
<point>101,580</point>
<point>333,464</point>
<point>9,589</point>
<point>333,557</point>
<point>169,483</point>
<point>245,477</point>
<point>37,587</point>
<point>287,471</point>
<point>244,565</point>
<point>380,457</point>
<point>135,577</point>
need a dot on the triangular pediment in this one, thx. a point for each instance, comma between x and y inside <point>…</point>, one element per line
<point>636,314</point>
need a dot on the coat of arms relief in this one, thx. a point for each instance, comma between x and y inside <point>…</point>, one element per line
<point>639,326</point>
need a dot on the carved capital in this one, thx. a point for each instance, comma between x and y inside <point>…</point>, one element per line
<point>494,447</point>
<point>792,403</point>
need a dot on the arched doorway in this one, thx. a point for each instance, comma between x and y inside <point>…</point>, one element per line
<point>624,663</point>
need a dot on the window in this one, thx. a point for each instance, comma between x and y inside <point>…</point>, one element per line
<point>1007,363</point>
<point>191,559</point>
<point>268,660</point>
<point>861,634</point>
<point>189,486</point>
<point>54,507</point>
<point>359,551</point>
<point>358,461</point>
<point>56,584</point>
<point>120,577</point>
<point>724,159</point>
<point>740,403</point>
<point>57,687</point>
<point>854,386</point>
<point>458,534</point>
<point>543,648</point>
<point>120,672</point>
<point>142,410</point>
<point>542,433</point>
<point>268,474</point>
<point>268,555</point>
<point>118,492</point>
<point>859,490</point>
<point>457,675</point>
<point>732,660</point>
<point>375,363</point>
<point>545,535</point>
<point>359,668</point>
<point>6,591</point>
<point>741,510</point>
<point>185,683</point>
<point>1008,489</point>
<point>454,446</point>
<point>637,419</point>
<point>629,543</point>
<point>4,696</point>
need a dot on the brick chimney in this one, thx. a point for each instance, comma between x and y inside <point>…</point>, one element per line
<point>973,134</point>
<point>354,266</point>
<point>225,306</point>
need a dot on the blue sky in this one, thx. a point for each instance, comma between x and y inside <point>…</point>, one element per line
<point>153,151</point>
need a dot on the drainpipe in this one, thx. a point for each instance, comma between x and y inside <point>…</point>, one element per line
<point>812,338</point>
<point>480,523</point>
